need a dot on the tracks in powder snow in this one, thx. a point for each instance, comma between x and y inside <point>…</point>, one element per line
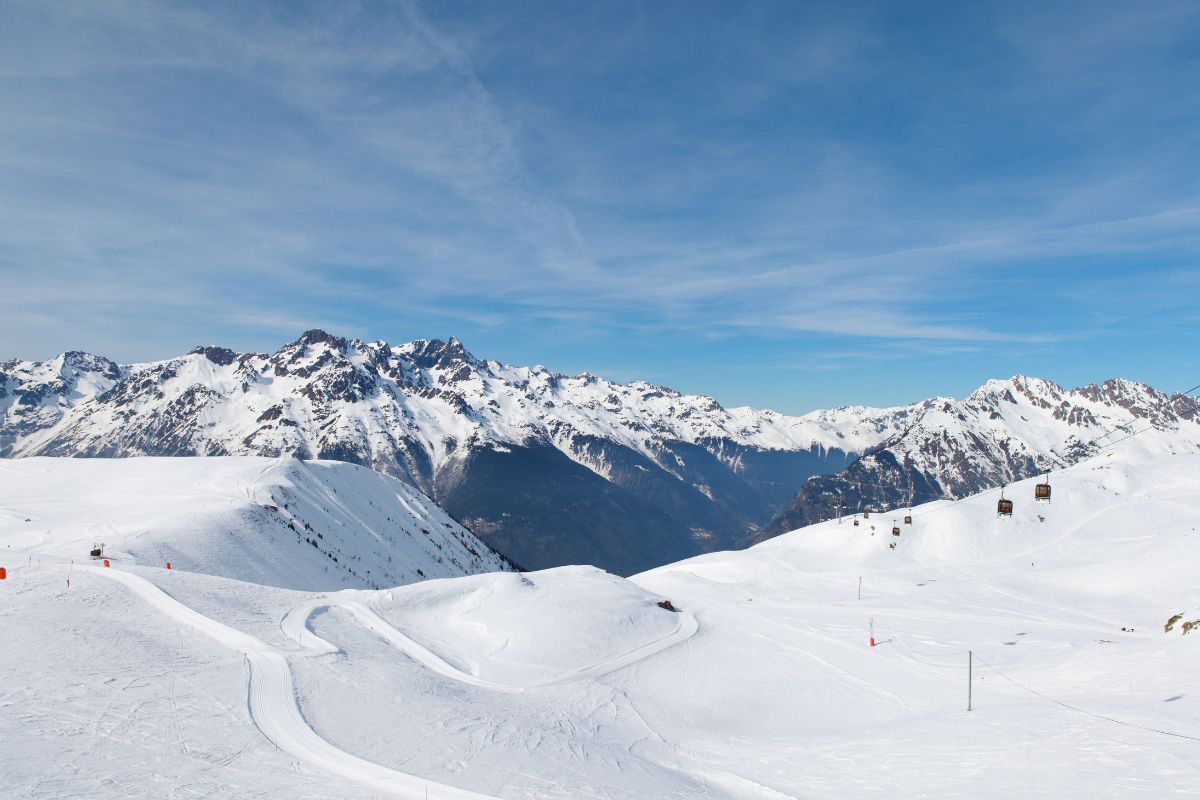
<point>271,693</point>
<point>295,627</point>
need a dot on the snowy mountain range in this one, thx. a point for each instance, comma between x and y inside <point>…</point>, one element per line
<point>1002,432</point>
<point>552,469</point>
<point>547,468</point>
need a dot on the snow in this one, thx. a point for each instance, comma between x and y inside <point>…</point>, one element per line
<point>230,516</point>
<point>573,683</point>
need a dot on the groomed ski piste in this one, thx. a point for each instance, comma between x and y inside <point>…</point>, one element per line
<point>136,681</point>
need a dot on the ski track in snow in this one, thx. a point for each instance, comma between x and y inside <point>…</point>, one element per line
<point>295,627</point>
<point>271,693</point>
<point>271,696</point>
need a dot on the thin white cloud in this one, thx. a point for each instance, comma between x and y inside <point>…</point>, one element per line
<point>345,169</point>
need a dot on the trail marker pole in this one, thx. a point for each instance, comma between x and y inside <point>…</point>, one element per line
<point>872,631</point>
<point>860,587</point>
<point>970,670</point>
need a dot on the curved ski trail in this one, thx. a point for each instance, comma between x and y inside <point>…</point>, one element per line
<point>273,705</point>
<point>295,627</point>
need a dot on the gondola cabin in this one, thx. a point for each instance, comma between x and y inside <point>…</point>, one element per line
<point>866,515</point>
<point>1004,508</point>
<point>908,520</point>
<point>856,523</point>
<point>895,530</point>
<point>1041,493</point>
<point>97,551</point>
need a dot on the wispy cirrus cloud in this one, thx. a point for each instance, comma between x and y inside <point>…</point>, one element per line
<point>550,177</point>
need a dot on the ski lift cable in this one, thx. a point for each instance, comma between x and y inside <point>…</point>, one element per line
<point>1076,709</point>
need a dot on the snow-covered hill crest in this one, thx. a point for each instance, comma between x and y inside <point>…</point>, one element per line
<point>311,525</point>
<point>551,468</point>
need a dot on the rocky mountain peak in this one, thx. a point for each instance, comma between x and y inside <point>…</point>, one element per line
<point>316,336</point>
<point>79,361</point>
<point>436,354</point>
<point>221,356</point>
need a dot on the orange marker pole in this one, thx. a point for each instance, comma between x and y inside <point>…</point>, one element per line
<point>3,574</point>
<point>106,562</point>
<point>168,565</point>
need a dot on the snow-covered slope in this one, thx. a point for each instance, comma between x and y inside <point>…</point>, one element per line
<point>1004,431</point>
<point>572,683</point>
<point>276,521</point>
<point>548,468</point>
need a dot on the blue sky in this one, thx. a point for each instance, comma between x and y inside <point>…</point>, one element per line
<point>790,205</point>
